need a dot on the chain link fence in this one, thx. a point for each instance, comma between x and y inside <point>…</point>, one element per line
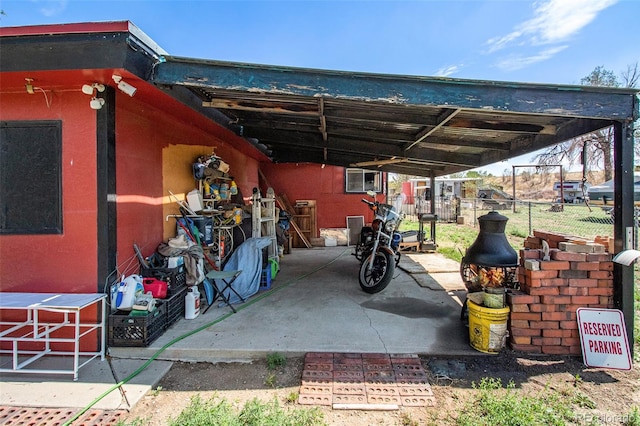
<point>578,220</point>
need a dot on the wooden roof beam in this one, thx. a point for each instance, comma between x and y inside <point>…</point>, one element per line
<point>441,121</point>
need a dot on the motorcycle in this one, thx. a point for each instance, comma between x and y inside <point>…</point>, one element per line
<point>378,248</point>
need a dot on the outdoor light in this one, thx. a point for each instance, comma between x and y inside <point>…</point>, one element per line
<point>88,89</point>
<point>123,85</point>
<point>96,103</point>
<point>626,257</point>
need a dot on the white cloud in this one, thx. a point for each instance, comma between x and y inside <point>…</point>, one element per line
<point>447,70</point>
<point>516,62</point>
<point>554,21</point>
<point>52,7</point>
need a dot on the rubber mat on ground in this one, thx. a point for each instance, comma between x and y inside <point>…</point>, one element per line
<point>364,381</point>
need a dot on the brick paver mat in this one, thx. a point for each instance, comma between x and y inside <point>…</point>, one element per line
<point>28,416</point>
<point>364,381</point>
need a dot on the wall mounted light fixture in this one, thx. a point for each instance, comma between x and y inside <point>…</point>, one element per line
<point>96,103</point>
<point>88,89</point>
<point>123,85</point>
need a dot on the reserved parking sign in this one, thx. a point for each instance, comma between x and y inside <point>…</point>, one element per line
<point>604,338</point>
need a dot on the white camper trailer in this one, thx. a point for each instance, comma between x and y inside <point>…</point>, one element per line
<point>571,190</point>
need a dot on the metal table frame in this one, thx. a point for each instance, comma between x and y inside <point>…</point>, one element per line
<point>34,331</point>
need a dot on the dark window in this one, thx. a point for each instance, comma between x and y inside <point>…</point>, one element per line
<point>359,180</point>
<point>30,177</point>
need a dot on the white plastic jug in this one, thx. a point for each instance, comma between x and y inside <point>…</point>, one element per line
<point>192,303</point>
<point>128,289</point>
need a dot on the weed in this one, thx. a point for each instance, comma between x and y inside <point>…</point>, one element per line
<point>633,418</point>
<point>156,391</point>
<point>210,412</point>
<point>255,412</point>
<point>275,360</point>
<point>577,380</point>
<point>292,398</point>
<point>406,420</point>
<point>495,405</point>
<point>270,380</point>
<point>582,400</point>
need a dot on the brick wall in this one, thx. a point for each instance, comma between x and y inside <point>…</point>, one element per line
<point>577,273</point>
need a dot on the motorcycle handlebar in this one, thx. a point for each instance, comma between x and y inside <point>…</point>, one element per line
<point>368,202</point>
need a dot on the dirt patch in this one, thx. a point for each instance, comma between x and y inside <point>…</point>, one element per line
<point>613,392</point>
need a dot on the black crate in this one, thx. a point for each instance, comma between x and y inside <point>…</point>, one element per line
<point>133,330</point>
<point>175,277</point>
<point>175,305</point>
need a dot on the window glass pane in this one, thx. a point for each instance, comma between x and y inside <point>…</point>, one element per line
<point>358,180</point>
<point>369,181</point>
<point>354,180</point>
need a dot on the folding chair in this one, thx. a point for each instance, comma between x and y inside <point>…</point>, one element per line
<point>227,277</point>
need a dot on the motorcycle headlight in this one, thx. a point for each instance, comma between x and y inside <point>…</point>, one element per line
<point>390,226</point>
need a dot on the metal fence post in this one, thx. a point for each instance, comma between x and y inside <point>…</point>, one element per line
<point>475,211</point>
<point>530,224</point>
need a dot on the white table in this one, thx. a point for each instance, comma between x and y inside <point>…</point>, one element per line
<point>35,334</point>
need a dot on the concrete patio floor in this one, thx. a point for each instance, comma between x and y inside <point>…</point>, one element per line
<point>316,305</point>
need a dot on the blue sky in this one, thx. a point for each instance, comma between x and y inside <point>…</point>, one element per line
<point>543,41</point>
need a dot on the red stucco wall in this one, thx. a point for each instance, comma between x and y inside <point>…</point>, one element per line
<point>325,185</point>
<point>145,176</point>
<point>66,262</point>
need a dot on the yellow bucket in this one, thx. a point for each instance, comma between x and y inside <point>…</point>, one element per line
<point>487,327</point>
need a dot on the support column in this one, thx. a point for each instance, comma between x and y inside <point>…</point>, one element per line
<point>623,221</point>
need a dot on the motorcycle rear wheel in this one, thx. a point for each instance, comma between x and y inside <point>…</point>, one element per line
<point>378,278</point>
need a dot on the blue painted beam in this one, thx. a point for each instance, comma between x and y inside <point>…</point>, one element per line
<point>564,101</point>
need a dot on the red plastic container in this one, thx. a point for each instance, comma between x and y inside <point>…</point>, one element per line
<point>157,288</point>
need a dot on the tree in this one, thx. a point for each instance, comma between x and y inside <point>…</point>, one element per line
<point>594,150</point>
<point>631,78</point>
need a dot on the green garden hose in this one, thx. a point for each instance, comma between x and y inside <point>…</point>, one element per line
<point>184,336</point>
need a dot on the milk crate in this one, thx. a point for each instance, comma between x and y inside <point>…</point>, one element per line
<point>175,277</point>
<point>175,305</point>
<point>125,329</point>
<point>265,279</point>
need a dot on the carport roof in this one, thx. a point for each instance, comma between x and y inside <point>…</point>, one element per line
<point>425,126</point>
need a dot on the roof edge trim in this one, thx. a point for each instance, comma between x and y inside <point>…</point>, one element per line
<point>84,28</point>
<point>429,79</point>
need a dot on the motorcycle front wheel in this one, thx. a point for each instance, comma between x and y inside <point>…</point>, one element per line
<point>379,277</point>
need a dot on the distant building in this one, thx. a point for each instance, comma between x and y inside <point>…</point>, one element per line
<point>572,190</point>
<point>444,188</point>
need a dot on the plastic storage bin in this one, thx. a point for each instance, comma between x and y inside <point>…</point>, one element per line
<point>136,330</point>
<point>265,278</point>
<point>175,305</point>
